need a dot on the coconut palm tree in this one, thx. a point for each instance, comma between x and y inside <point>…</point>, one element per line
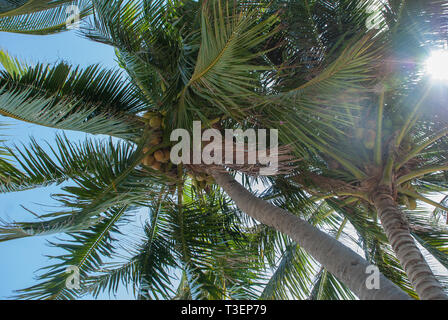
<point>392,151</point>
<point>172,54</point>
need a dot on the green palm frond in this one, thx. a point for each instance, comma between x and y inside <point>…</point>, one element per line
<point>97,86</point>
<point>292,277</point>
<point>84,250</point>
<point>327,287</point>
<point>147,271</point>
<point>9,174</point>
<point>189,287</point>
<point>225,71</point>
<point>66,160</point>
<point>438,213</point>
<point>147,45</point>
<point>430,234</point>
<point>340,87</point>
<point>43,17</point>
<point>217,256</point>
<point>13,66</point>
<point>14,7</point>
<point>92,100</point>
<point>153,58</point>
<point>111,177</point>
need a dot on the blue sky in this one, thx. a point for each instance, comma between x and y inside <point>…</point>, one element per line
<point>20,259</point>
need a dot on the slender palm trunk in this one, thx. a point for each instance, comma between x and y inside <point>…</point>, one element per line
<point>410,257</point>
<point>342,262</point>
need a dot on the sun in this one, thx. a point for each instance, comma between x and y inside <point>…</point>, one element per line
<point>437,65</point>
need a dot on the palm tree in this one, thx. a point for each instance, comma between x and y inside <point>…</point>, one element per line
<point>392,150</point>
<point>172,54</point>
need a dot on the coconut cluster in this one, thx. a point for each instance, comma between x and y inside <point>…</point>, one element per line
<point>201,180</point>
<point>159,160</point>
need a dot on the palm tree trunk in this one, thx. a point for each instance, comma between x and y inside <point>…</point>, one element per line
<point>342,262</point>
<point>410,257</point>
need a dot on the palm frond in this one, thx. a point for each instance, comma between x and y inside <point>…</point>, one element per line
<point>225,74</point>
<point>43,17</point>
<point>84,250</point>
<point>111,177</point>
<point>293,276</point>
<point>146,271</point>
<point>92,100</point>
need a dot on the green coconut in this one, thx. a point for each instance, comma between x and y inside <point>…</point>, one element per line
<point>369,139</point>
<point>412,204</point>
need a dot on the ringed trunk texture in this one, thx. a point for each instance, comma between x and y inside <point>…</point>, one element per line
<point>409,255</point>
<point>342,262</point>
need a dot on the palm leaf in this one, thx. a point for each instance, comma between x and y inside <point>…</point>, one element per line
<point>111,178</point>
<point>224,73</point>
<point>91,100</point>
<point>42,17</point>
<point>84,250</point>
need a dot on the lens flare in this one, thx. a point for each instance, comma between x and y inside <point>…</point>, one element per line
<point>437,65</point>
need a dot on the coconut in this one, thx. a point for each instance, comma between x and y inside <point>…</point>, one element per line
<point>155,141</point>
<point>156,165</point>
<point>369,139</point>
<point>159,155</point>
<point>155,122</point>
<point>167,154</point>
<point>210,180</point>
<point>412,203</point>
<point>148,115</point>
<point>369,144</point>
<point>148,160</point>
